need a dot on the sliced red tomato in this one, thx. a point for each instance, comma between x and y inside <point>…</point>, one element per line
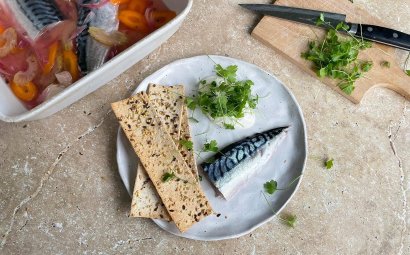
<point>133,20</point>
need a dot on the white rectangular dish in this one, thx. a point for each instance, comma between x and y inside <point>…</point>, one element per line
<point>12,110</point>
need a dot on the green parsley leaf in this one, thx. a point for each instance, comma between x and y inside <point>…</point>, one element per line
<point>270,187</point>
<point>289,220</point>
<point>187,144</point>
<point>408,72</point>
<point>329,164</point>
<point>168,176</point>
<point>385,64</point>
<point>227,98</point>
<point>212,146</point>
<point>336,56</point>
<point>321,20</point>
<point>366,66</point>
<point>228,126</point>
<point>200,177</point>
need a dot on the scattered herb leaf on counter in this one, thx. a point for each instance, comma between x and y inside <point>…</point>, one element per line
<point>212,146</point>
<point>189,145</point>
<point>271,187</point>
<point>228,98</point>
<point>289,220</point>
<point>329,164</point>
<point>168,176</point>
<point>336,56</point>
<point>385,64</point>
<point>407,71</point>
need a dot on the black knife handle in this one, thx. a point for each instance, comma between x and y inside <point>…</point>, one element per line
<point>384,35</point>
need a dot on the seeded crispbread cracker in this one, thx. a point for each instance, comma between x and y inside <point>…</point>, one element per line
<point>168,103</point>
<point>146,202</point>
<point>182,196</point>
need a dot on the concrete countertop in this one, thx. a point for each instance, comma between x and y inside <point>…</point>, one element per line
<point>60,192</point>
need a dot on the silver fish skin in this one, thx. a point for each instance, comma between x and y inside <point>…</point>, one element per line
<point>106,19</point>
<point>34,15</point>
<point>240,161</point>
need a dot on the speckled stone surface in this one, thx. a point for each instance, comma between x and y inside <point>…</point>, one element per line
<point>60,192</point>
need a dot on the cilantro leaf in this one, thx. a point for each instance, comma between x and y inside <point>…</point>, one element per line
<point>289,220</point>
<point>168,176</point>
<point>271,187</point>
<point>187,144</point>
<point>228,126</point>
<point>336,56</point>
<point>212,146</point>
<point>329,164</point>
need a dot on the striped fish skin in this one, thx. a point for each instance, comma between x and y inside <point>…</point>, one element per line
<point>35,15</point>
<point>81,39</point>
<point>238,162</point>
<point>41,13</point>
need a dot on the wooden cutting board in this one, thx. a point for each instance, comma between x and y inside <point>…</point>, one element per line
<point>291,39</point>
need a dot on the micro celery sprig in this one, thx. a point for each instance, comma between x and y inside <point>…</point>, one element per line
<point>336,57</point>
<point>228,98</point>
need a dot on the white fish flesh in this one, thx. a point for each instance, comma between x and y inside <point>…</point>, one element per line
<point>240,161</point>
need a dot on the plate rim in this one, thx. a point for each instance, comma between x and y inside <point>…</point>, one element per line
<point>299,110</point>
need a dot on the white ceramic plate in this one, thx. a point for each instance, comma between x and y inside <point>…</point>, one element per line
<point>277,107</point>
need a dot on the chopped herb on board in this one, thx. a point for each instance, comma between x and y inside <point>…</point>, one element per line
<point>385,64</point>
<point>336,56</point>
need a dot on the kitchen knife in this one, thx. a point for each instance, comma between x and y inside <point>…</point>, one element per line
<point>369,32</point>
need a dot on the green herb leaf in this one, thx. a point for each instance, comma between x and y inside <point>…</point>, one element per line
<point>212,146</point>
<point>168,176</point>
<point>190,103</point>
<point>227,98</point>
<point>336,56</point>
<point>385,64</point>
<point>366,66</point>
<point>321,20</point>
<point>187,144</point>
<point>289,220</point>
<point>200,177</point>
<point>270,187</point>
<point>329,164</point>
<point>228,126</point>
<point>408,72</point>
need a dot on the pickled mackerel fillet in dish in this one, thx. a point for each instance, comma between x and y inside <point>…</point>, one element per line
<point>46,45</point>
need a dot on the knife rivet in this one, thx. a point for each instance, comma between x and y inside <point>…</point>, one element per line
<point>395,35</point>
<point>370,29</point>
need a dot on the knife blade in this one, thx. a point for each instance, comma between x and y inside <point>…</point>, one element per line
<point>373,33</point>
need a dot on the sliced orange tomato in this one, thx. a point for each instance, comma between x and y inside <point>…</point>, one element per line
<point>161,18</point>
<point>119,1</point>
<point>70,63</point>
<point>26,92</point>
<point>133,20</point>
<point>138,5</point>
<point>51,60</point>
